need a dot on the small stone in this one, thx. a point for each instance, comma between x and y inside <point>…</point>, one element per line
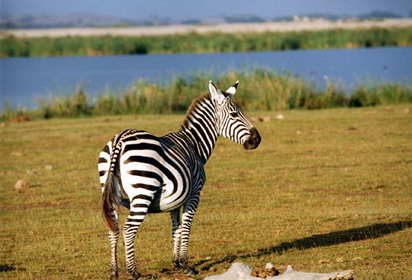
<point>31,172</point>
<point>21,185</point>
<point>48,167</point>
<point>323,261</point>
<point>280,117</point>
<point>260,119</point>
<point>16,154</point>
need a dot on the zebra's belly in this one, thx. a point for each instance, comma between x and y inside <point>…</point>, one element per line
<point>164,197</point>
<point>166,201</point>
<point>159,204</point>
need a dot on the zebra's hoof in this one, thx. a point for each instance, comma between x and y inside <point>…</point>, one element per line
<point>188,271</point>
<point>114,276</point>
<point>137,276</point>
<point>184,268</point>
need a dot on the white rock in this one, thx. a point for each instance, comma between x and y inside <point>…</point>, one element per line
<point>233,272</point>
<point>240,271</point>
<point>48,167</point>
<point>21,185</point>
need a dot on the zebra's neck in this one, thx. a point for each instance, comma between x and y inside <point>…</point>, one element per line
<point>200,126</point>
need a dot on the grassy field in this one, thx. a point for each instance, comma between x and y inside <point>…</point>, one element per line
<point>204,43</point>
<point>327,190</point>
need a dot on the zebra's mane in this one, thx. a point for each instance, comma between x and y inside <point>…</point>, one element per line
<point>192,107</point>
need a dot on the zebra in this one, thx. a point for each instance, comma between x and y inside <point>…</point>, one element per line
<point>150,174</point>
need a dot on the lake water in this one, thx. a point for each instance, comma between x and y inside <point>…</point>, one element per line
<point>24,80</point>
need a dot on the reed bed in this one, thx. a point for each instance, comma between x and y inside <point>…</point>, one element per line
<point>204,43</point>
<point>260,90</point>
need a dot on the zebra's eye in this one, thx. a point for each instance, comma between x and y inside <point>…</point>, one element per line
<point>234,114</point>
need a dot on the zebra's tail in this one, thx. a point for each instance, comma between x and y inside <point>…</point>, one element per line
<point>111,195</point>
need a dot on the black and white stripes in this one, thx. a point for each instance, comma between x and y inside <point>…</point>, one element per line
<point>150,174</point>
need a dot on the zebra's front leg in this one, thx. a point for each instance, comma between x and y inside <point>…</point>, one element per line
<point>113,238</point>
<point>176,230</point>
<point>187,218</point>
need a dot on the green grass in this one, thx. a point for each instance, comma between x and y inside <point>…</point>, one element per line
<point>205,43</point>
<point>327,190</point>
<point>261,90</point>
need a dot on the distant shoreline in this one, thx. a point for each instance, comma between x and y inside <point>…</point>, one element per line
<point>300,25</point>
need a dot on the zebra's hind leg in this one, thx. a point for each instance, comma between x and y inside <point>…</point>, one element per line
<point>113,238</point>
<point>138,209</point>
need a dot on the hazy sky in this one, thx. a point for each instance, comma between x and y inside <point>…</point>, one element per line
<point>192,9</point>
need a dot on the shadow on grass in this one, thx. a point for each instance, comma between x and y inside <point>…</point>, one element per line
<point>318,240</point>
<point>6,267</point>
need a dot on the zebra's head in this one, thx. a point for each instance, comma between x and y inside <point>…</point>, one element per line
<point>231,123</point>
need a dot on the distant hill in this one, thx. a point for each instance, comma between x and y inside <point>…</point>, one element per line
<point>9,21</point>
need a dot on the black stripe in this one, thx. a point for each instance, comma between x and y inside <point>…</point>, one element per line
<point>200,138</point>
<point>132,213</point>
<point>140,205</point>
<point>106,149</point>
<point>119,136</point>
<point>101,173</point>
<point>206,130</point>
<point>144,135</point>
<point>157,164</point>
<point>170,158</point>
<point>195,135</point>
<point>141,196</point>
<point>145,186</point>
<point>102,160</point>
<point>147,174</point>
<point>135,221</point>
<point>143,146</point>
<point>200,130</point>
<point>130,138</point>
<point>133,135</point>
<point>208,113</point>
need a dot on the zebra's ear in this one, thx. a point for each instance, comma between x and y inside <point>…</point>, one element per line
<point>215,93</point>
<point>232,90</point>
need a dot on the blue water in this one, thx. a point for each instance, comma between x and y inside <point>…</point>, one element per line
<point>24,80</point>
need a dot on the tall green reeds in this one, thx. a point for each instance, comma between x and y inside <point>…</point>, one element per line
<point>259,90</point>
<point>205,43</point>
<point>73,105</point>
<point>379,93</point>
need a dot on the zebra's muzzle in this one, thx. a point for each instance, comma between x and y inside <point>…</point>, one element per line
<point>253,141</point>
